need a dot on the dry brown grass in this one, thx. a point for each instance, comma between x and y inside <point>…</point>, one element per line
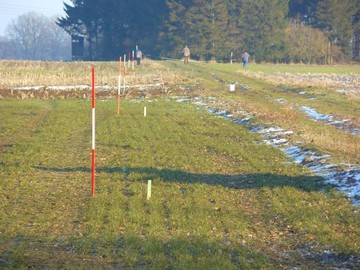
<point>344,147</point>
<point>330,81</point>
<point>39,73</point>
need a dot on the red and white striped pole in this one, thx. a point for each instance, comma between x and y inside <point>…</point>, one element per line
<point>119,86</point>
<point>93,133</point>
<point>124,72</point>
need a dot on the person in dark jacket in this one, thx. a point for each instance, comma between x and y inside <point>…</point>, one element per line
<point>245,59</point>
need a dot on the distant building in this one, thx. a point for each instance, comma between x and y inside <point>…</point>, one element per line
<point>77,48</point>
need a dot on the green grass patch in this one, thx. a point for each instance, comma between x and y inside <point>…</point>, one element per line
<point>220,199</point>
<point>262,101</point>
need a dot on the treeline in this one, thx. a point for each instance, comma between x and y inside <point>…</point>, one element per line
<point>33,36</point>
<point>310,31</point>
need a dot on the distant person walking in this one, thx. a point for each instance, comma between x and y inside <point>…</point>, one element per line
<point>245,59</point>
<point>186,53</point>
<point>138,56</point>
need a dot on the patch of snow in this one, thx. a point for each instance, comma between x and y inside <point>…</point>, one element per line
<point>68,87</point>
<point>344,91</point>
<point>28,88</point>
<point>86,87</point>
<point>281,100</point>
<point>315,115</point>
<point>341,124</point>
<point>346,180</point>
<point>276,142</point>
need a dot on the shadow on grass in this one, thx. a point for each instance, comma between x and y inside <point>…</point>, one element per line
<point>128,251</point>
<point>240,181</point>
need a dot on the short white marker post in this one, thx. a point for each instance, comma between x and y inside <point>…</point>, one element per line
<point>144,111</point>
<point>148,190</point>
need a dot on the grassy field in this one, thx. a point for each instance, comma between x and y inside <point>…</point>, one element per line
<point>298,68</point>
<point>262,101</point>
<point>221,199</point>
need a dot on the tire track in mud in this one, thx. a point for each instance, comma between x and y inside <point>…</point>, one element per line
<point>345,179</point>
<point>345,125</point>
<point>34,121</point>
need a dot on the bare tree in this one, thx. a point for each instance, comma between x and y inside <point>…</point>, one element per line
<point>59,41</point>
<point>37,37</point>
<point>28,32</point>
<point>309,45</point>
<point>7,50</point>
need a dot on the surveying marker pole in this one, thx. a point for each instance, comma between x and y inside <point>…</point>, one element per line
<point>145,111</point>
<point>119,86</point>
<point>93,133</point>
<point>133,59</point>
<point>124,72</point>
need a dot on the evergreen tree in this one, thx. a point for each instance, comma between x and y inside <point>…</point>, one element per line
<point>83,19</point>
<point>206,22</point>
<point>355,19</point>
<point>303,10</point>
<point>113,27</point>
<point>334,17</point>
<point>264,24</point>
<point>235,38</point>
<point>211,28</point>
<point>174,37</point>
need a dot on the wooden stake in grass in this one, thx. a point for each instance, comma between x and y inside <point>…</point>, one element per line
<point>93,133</point>
<point>145,111</point>
<point>148,190</point>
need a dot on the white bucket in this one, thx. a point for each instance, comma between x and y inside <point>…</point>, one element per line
<point>232,87</point>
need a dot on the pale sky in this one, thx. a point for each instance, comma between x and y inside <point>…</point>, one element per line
<point>11,9</point>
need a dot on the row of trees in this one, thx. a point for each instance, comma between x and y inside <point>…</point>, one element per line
<point>33,36</point>
<point>278,30</point>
